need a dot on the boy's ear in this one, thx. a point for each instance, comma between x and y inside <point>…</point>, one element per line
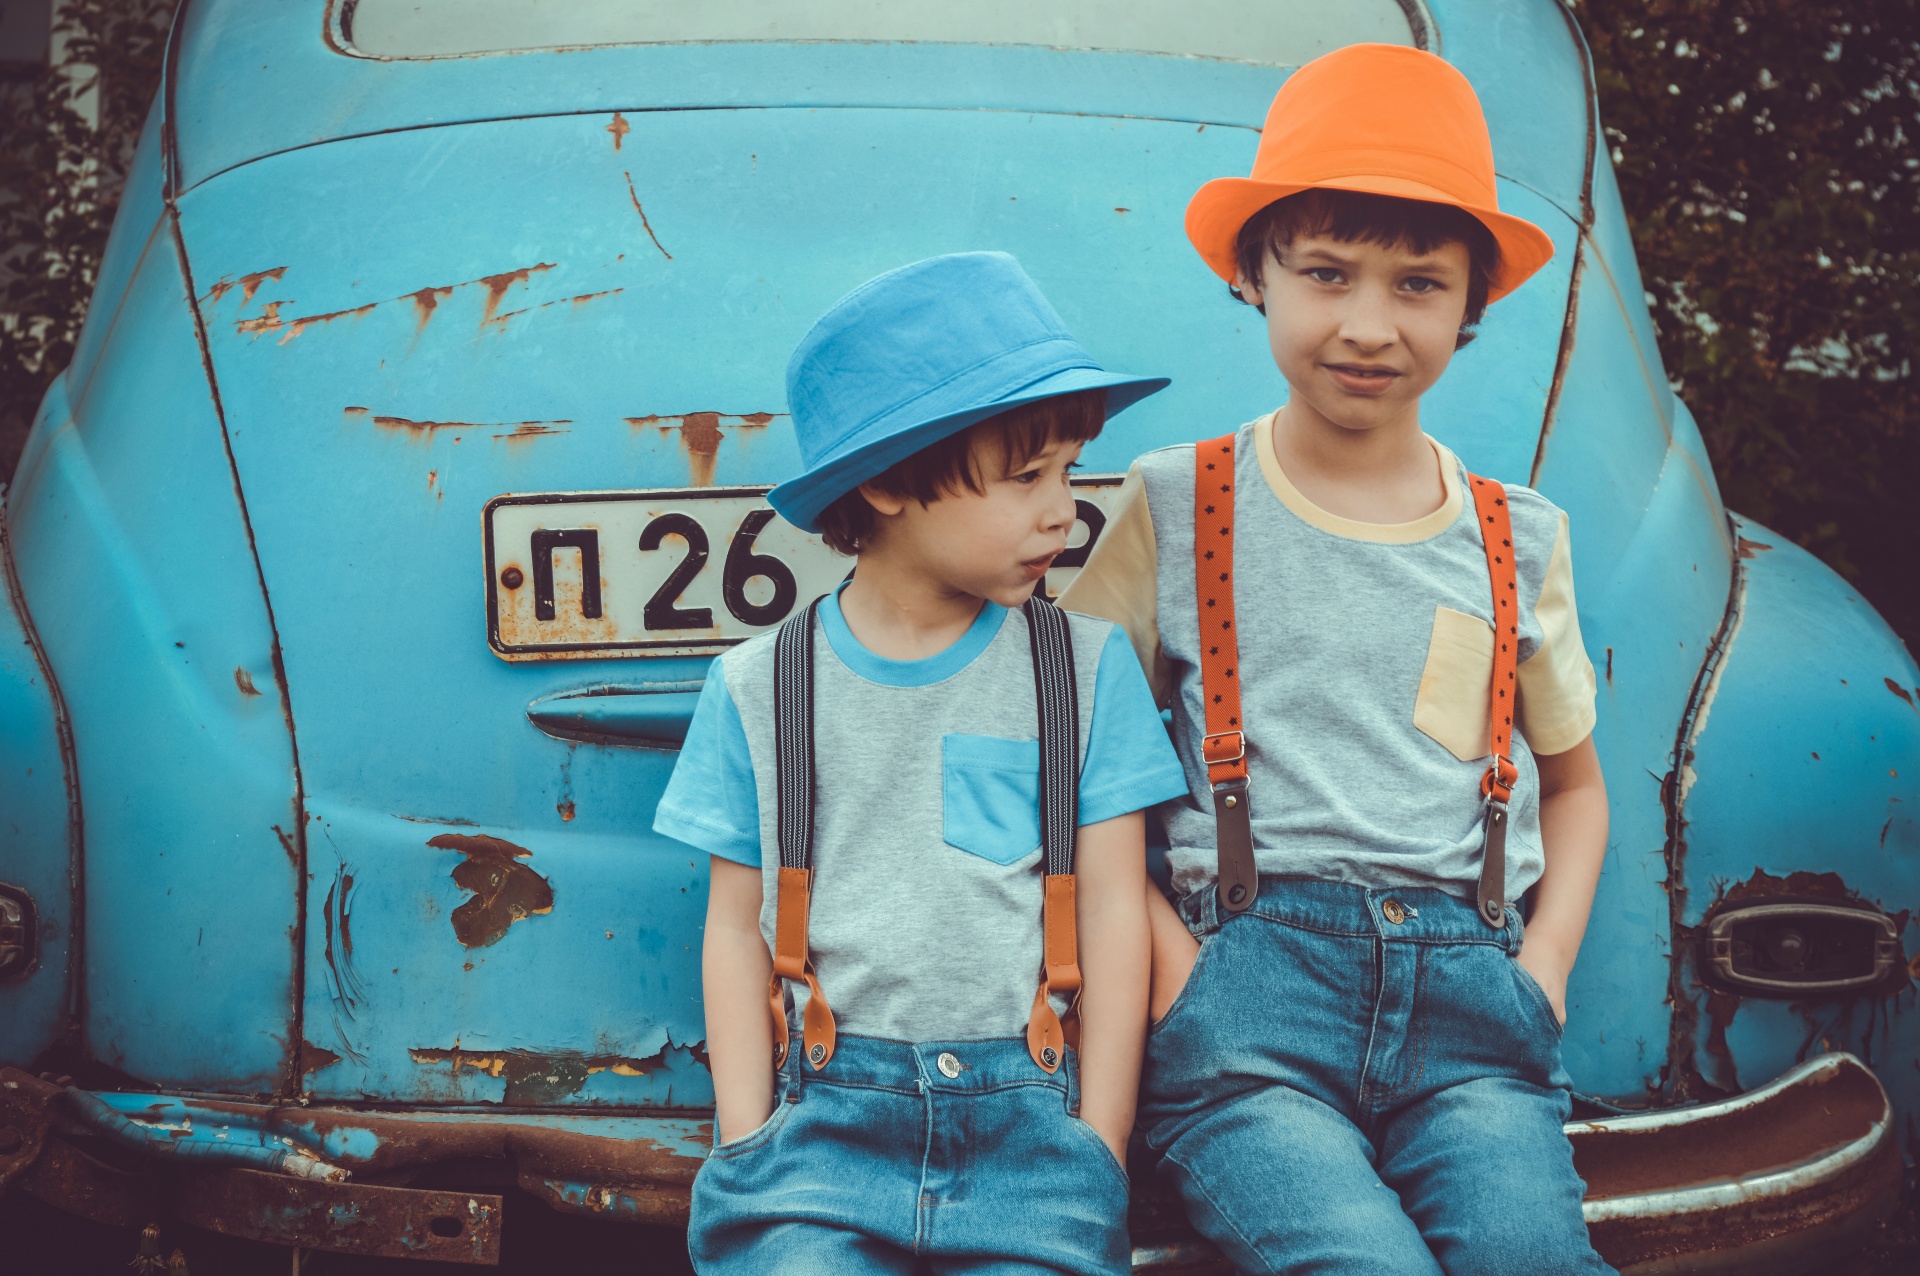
<point>885,504</point>
<point>1248,291</point>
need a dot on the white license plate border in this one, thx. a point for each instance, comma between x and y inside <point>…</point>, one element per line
<point>614,649</point>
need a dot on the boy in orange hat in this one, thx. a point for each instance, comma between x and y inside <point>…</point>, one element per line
<point>1384,711</point>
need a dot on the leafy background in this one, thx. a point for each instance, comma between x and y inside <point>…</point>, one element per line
<point>1766,151</point>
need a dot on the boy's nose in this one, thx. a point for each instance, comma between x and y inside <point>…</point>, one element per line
<point>1062,511</point>
<point>1367,323</point>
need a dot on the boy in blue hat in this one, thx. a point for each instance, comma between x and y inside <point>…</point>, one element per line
<point>923,801</point>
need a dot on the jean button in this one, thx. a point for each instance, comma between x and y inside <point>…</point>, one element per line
<point>1394,911</point>
<point>949,1066</point>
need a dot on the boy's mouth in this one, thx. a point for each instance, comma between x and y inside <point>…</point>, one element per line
<point>1035,568</point>
<point>1361,378</point>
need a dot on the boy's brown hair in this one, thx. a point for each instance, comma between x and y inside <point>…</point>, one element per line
<point>1353,217</point>
<point>1013,437</point>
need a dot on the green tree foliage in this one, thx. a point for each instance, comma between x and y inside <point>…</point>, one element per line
<point>1767,155</point>
<point>60,182</point>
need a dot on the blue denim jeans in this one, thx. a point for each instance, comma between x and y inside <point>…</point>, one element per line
<point>882,1158</point>
<point>1361,1080</point>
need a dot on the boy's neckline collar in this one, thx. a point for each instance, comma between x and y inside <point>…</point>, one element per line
<point>1423,528</point>
<point>908,673</point>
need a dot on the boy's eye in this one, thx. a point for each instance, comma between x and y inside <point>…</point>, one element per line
<point>1027,476</point>
<point>1324,274</point>
<point>1421,284</point>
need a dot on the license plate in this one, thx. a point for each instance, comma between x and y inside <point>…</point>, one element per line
<point>688,571</point>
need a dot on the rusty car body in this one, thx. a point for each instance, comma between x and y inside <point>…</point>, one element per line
<point>329,904</point>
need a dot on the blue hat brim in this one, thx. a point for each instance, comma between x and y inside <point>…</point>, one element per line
<point>800,500</point>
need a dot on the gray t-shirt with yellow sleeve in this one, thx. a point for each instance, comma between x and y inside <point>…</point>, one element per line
<point>1366,657</point>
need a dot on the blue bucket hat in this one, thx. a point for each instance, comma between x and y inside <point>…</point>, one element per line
<point>918,355</point>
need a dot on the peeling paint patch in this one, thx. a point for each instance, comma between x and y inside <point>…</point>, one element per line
<point>1902,692</point>
<point>250,284</point>
<point>313,1058</point>
<point>244,680</point>
<point>426,302</point>
<point>1749,549</point>
<point>644,223</point>
<point>422,429</point>
<point>530,430</point>
<point>700,435</point>
<point>533,1077</point>
<point>504,891</point>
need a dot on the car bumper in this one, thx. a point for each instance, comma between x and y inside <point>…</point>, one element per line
<point>1773,1180</point>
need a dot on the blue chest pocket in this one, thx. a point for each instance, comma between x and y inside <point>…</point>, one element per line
<point>990,796</point>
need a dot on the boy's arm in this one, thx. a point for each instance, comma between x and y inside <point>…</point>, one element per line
<point>1174,952</point>
<point>1573,834</point>
<point>1111,913</point>
<point>734,969</point>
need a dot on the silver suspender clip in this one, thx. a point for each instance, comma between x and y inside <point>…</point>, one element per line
<point>1493,866</point>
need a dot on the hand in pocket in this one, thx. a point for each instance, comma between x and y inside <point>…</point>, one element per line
<point>1174,952</point>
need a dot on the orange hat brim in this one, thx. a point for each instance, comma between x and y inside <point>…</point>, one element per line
<point>1220,208</point>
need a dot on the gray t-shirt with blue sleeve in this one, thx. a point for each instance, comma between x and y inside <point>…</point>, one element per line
<point>925,918</point>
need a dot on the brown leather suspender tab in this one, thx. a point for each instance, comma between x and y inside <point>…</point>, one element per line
<point>793,745</point>
<point>1058,696</point>
<point>1225,744</point>
<point>1496,529</point>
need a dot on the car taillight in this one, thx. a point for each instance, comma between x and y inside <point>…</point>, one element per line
<point>1797,948</point>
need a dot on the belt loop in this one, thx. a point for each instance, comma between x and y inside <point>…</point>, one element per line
<point>1201,910</point>
<point>789,1077</point>
<point>1072,1071</point>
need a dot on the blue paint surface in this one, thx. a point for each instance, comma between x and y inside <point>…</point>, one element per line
<point>1809,703</point>
<point>34,841</point>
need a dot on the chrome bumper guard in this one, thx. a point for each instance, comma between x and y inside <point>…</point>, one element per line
<point>1772,1182</point>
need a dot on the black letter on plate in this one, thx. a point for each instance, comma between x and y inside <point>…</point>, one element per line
<point>1096,523</point>
<point>587,541</point>
<point>660,612</point>
<point>743,565</point>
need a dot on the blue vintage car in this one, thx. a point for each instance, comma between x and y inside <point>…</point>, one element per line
<point>363,568</point>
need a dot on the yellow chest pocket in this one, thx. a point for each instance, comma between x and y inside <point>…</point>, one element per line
<point>1456,684</point>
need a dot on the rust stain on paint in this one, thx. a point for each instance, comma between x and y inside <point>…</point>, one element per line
<point>497,285</point>
<point>269,320</point>
<point>250,284</point>
<point>531,430</point>
<point>700,434</point>
<point>1900,691</point>
<point>504,890</point>
<point>619,128</point>
<point>499,322</point>
<point>645,225</point>
<point>244,680</point>
<point>426,302</point>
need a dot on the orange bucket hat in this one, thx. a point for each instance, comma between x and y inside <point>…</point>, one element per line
<point>1381,119</point>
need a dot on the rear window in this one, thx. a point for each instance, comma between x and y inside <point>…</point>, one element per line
<point>1275,32</point>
